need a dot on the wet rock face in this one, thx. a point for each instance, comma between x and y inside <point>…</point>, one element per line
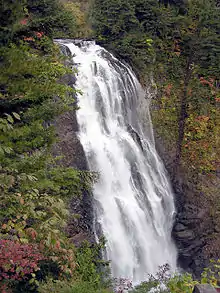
<point>69,147</point>
<point>193,224</point>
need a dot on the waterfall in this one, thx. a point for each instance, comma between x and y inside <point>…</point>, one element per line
<point>134,204</point>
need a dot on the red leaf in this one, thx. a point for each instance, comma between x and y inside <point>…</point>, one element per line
<point>39,34</point>
<point>24,21</point>
<point>29,39</point>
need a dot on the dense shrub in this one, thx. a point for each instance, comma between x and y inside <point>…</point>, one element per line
<point>17,261</point>
<point>67,287</point>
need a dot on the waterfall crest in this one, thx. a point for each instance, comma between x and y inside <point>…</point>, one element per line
<point>134,203</point>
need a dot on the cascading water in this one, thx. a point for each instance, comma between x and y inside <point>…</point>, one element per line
<point>133,199</point>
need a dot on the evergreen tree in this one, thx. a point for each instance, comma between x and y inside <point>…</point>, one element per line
<point>35,188</point>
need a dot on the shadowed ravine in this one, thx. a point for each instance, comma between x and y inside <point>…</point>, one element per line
<point>134,204</point>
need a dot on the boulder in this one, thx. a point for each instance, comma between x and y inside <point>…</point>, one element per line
<point>205,288</point>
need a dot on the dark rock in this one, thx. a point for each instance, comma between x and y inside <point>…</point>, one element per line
<point>72,154</point>
<point>186,252</point>
<point>196,245</point>
<point>79,238</point>
<point>193,225</point>
<point>69,79</point>
<point>71,150</point>
<point>179,227</point>
<point>205,288</point>
<point>185,235</point>
<point>185,260</point>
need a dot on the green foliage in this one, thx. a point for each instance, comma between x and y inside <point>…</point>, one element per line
<point>114,18</point>
<point>178,40</point>
<point>27,76</point>
<point>27,17</point>
<point>166,113</point>
<point>51,17</point>
<point>83,29</point>
<point>163,282</point>
<point>182,283</point>
<point>67,287</point>
<point>145,287</point>
<point>10,13</point>
<point>211,275</point>
<point>117,26</point>
<point>89,275</point>
<point>91,268</point>
<point>185,46</point>
<point>34,187</point>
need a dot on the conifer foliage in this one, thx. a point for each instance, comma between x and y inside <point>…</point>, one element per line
<point>34,188</point>
<point>179,42</point>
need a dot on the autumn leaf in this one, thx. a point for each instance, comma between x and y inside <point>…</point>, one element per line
<point>21,201</point>
<point>24,21</point>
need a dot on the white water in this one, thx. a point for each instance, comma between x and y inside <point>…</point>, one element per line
<point>133,200</point>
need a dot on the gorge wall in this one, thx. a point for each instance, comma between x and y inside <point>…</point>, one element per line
<point>69,148</point>
<point>157,37</point>
<point>195,232</point>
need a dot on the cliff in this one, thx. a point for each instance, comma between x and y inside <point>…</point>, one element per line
<point>69,148</point>
<point>195,230</point>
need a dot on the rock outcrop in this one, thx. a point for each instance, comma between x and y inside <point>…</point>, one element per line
<point>72,155</point>
<point>194,232</point>
<point>205,288</point>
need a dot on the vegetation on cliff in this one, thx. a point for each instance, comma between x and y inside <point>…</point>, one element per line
<point>179,42</point>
